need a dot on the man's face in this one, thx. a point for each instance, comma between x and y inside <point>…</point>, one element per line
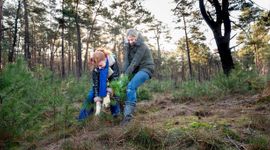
<point>131,40</point>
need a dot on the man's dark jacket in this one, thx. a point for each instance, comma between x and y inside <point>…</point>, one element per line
<point>138,57</point>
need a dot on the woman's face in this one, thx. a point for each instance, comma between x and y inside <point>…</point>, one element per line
<point>131,40</point>
<point>102,64</point>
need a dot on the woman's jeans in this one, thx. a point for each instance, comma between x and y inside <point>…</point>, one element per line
<point>139,78</point>
<point>88,107</point>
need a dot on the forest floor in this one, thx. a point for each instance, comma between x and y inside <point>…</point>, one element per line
<point>230,122</point>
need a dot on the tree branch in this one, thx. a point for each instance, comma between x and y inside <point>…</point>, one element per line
<point>247,35</point>
<point>206,17</point>
<point>236,45</point>
<point>210,17</point>
<point>218,11</point>
<point>226,18</point>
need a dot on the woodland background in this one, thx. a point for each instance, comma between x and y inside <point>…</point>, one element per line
<point>45,48</point>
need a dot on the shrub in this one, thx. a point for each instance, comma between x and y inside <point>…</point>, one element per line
<point>144,94</point>
<point>119,86</point>
<point>239,81</point>
<point>31,102</point>
<point>21,109</point>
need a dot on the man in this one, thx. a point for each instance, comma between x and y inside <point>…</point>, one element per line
<point>138,61</point>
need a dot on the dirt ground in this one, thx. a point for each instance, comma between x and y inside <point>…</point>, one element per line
<point>243,113</point>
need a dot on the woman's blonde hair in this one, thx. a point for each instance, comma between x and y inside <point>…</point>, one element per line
<point>100,54</point>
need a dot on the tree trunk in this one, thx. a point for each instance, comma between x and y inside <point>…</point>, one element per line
<point>182,68</point>
<point>199,72</point>
<point>63,72</point>
<point>73,66</point>
<point>1,30</point>
<point>159,53</point>
<point>222,41</point>
<point>11,52</point>
<point>33,45</point>
<point>52,53</point>
<point>62,50</point>
<point>40,50</point>
<point>69,53</point>
<point>27,54</point>
<point>86,56</point>
<point>188,49</point>
<point>91,33</point>
<point>225,54</point>
<point>79,49</point>
<point>119,55</point>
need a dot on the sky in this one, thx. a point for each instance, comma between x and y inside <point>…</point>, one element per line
<point>162,11</point>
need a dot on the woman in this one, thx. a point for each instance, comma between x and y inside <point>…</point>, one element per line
<point>105,70</point>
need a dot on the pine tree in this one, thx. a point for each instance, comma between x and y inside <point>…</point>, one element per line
<point>160,31</point>
<point>27,54</point>
<point>11,52</point>
<point>186,14</point>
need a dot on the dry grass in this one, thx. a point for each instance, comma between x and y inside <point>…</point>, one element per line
<point>163,124</point>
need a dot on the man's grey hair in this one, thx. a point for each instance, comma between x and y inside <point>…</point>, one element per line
<point>132,32</point>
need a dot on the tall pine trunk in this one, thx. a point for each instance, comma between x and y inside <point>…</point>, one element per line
<point>159,54</point>
<point>52,53</point>
<point>79,49</point>
<point>27,54</point>
<point>188,49</point>
<point>63,72</point>
<point>86,56</point>
<point>69,53</point>
<point>11,52</point>
<point>90,34</point>
<point>62,46</point>
<point>1,30</point>
<point>33,44</point>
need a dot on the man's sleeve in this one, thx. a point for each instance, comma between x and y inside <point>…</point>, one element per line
<point>126,61</point>
<point>136,60</point>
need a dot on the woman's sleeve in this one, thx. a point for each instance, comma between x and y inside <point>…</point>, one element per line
<point>95,77</point>
<point>116,72</point>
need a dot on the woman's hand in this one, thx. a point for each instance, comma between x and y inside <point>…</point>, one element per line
<point>110,91</point>
<point>97,99</point>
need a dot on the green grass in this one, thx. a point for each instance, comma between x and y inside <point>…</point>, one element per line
<point>259,142</point>
<point>144,137</point>
<point>238,82</point>
<point>157,86</point>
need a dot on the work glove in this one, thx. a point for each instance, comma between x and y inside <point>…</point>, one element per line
<point>106,101</point>
<point>98,108</point>
<point>110,91</point>
<point>97,99</point>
